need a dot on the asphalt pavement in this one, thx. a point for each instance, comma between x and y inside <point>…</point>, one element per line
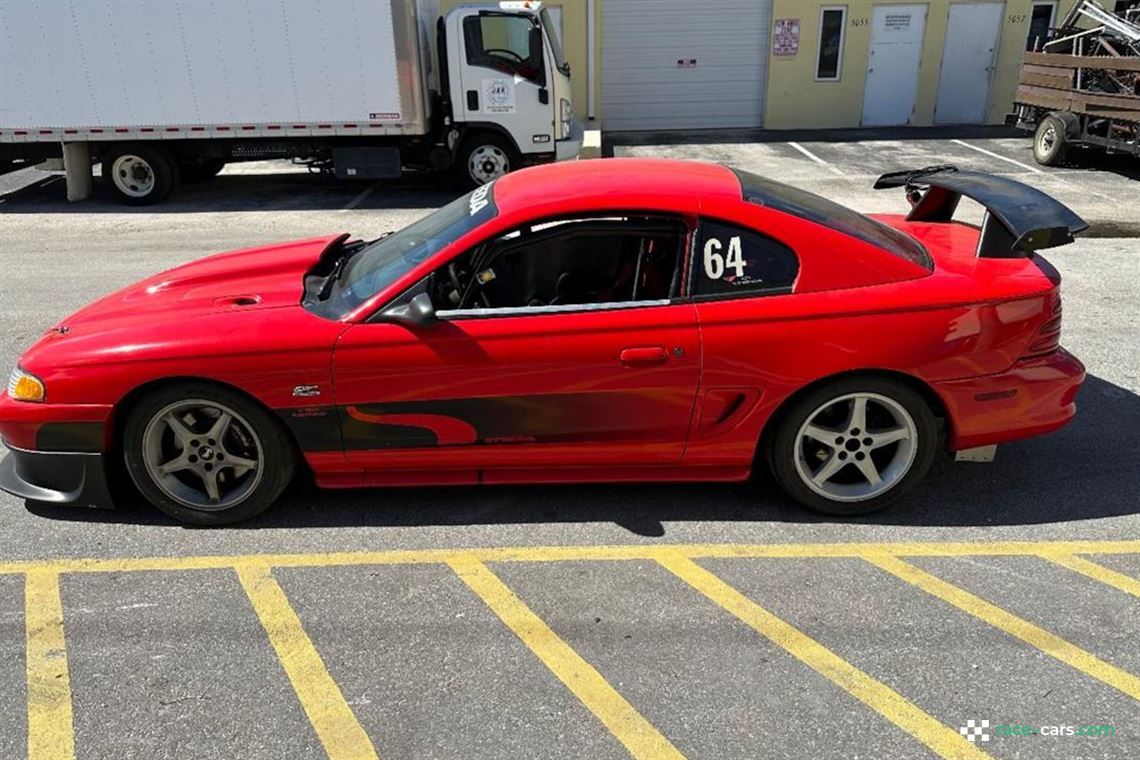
<point>714,621</point>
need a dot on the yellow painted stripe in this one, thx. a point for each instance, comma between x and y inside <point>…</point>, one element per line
<point>624,722</point>
<point>567,553</point>
<point>1035,636</point>
<point>1125,583</point>
<point>332,718</point>
<point>51,735</point>
<point>884,700</point>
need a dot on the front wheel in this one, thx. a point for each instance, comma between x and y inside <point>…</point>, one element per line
<point>854,446</point>
<point>483,158</point>
<point>205,455</point>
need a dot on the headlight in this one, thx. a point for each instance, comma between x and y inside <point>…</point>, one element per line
<point>24,386</point>
<point>566,115</point>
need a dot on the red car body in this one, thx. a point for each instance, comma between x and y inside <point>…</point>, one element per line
<point>682,391</point>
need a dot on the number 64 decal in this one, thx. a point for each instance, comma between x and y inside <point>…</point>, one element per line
<point>715,264</point>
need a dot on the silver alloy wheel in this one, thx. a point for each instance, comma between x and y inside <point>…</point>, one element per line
<point>133,175</point>
<point>856,447</point>
<point>487,162</point>
<point>1048,137</point>
<point>202,454</point>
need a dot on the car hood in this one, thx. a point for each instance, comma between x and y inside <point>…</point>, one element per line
<point>223,304</point>
<point>268,277</point>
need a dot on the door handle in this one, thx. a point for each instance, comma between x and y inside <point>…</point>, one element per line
<point>634,357</point>
<point>472,100</point>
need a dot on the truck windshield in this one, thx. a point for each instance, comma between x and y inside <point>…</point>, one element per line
<point>382,262</point>
<point>552,35</point>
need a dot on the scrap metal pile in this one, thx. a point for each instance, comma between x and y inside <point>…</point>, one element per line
<point>1110,36</point>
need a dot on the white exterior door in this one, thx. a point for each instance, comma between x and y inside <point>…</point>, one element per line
<point>968,63</point>
<point>892,67</point>
<point>680,64</point>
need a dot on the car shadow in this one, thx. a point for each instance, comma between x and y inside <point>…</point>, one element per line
<point>1088,470</point>
<point>293,190</point>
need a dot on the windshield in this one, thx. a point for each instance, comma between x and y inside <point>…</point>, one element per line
<point>801,203</point>
<point>555,41</point>
<point>384,261</point>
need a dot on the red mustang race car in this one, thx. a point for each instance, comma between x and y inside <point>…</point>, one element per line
<point>612,320</point>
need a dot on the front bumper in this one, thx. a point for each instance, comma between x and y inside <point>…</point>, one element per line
<point>571,146</point>
<point>1034,397</point>
<point>53,477</point>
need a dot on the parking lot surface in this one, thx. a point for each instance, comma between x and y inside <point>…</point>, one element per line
<point>713,621</point>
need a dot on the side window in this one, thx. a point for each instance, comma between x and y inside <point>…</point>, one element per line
<point>730,260</point>
<point>504,43</point>
<point>565,263</point>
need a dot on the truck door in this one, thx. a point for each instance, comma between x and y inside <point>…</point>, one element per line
<point>504,76</point>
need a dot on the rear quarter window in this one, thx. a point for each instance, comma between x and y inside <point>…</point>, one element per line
<point>730,260</point>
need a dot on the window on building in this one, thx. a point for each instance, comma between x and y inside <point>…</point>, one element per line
<point>1039,23</point>
<point>829,62</point>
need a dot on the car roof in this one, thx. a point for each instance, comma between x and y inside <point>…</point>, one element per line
<point>621,182</point>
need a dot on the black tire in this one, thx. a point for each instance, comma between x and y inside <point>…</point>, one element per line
<point>277,457</point>
<point>201,170</point>
<point>499,153</point>
<point>149,178</point>
<point>1050,141</point>
<point>782,450</point>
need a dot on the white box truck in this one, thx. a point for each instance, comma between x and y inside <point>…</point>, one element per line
<point>158,90</point>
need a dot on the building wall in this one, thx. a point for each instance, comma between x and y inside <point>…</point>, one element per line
<point>796,100</point>
<point>574,43</point>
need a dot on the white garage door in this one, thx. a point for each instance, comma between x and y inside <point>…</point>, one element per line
<point>684,64</point>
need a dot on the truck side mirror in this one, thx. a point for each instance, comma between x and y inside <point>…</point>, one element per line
<point>536,53</point>
<point>419,312</point>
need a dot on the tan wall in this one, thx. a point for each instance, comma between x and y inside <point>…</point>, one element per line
<point>796,100</point>
<point>574,43</point>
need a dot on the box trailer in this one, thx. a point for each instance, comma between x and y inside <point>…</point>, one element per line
<point>163,90</point>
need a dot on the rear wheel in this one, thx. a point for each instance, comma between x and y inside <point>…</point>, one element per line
<point>1050,143</point>
<point>205,455</point>
<point>854,446</point>
<point>140,174</point>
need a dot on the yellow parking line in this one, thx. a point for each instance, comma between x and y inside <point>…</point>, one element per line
<point>332,718</point>
<point>940,738</point>
<point>564,553</point>
<point>1037,637</point>
<point>619,716</point>
<point>1125,583</point>
<point>51,734</point>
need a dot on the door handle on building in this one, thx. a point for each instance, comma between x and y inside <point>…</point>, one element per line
<point>644,355</point>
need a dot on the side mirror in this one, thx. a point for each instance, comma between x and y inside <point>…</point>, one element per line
<point>419,312</point>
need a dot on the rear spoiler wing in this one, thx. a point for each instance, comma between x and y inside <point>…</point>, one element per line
<point>1019,219</point>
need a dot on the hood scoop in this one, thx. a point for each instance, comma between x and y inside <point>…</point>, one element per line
<point>237,302</point>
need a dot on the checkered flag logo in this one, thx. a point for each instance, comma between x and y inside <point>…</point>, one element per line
<point>975,730</point>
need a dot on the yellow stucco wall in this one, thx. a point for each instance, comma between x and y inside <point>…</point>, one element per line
<point>574,43</point>
<point>795,99</point>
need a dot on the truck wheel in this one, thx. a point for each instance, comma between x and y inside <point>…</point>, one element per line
<point>205,455</point>
<point>1050,143</point>
<point>140,174</point>
<point>483,158</point>
<point>854,446</point>
<point>200,171</point>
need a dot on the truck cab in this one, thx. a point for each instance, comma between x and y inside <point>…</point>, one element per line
<point>507,89</point>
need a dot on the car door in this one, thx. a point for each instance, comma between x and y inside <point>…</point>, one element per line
<point>564,375</point>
